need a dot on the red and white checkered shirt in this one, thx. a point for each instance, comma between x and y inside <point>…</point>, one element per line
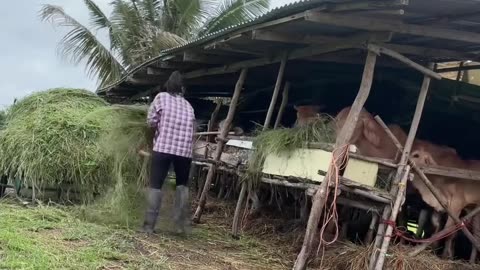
<point>174,118</point>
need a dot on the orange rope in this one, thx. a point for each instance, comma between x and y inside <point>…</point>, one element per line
<point>330,210</point>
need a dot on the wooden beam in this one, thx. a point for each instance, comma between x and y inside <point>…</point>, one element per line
<point>451,172</point>
<point>380,50</point>
<point>192,57</point>
<point>342,141</point>
<point>220,144</point>
<point>322,39</point>
<point>353,42</point>
<point>276,91</point>
<point>157,71</point>
<point>268,35</point>
<point>454,69</point>
<point>374,24</point>
<point>428,52</point>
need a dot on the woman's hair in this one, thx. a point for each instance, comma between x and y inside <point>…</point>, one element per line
<point>175,84</point>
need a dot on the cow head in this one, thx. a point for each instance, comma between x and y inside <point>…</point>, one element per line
<point>305,113</point>
<point>422,157</point>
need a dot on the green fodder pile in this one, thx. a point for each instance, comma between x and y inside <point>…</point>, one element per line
<point>284,141</point>
<point>71,137</point>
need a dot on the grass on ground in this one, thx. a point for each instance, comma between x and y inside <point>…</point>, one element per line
<point>54,237</point>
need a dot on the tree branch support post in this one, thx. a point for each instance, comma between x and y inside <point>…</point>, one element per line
<point>342,140</point>
<point>268,118</point>
<point>220,144</point>
<point>284,103</point>
<point>238,210</point>
<point>276,91</point>
<point>213,118</point>
<point>397,188</point>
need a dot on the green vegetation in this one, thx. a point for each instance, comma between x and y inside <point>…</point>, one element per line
<point>2,118</point>
<point>139,30</point>
<point>285,141</point>
<point>70,138</point>
<point>54,237</point>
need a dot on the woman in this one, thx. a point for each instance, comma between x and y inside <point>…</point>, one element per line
<point>173,119</point>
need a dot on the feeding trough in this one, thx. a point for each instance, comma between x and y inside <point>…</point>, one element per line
<point>305,163</point>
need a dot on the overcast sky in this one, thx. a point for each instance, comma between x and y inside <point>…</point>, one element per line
<point>28,49</point>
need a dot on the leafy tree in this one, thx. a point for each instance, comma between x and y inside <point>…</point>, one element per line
<point>139,29</point>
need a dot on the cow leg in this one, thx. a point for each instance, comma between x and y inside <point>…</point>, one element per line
<point>448,249</point>
<point>422,220</point>
<point>476,233</point>
<point>436,220</point>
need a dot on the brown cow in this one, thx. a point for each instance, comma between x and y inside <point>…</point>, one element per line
<point>459,193</point>
<point>306,114</point>
<point>369,137</point>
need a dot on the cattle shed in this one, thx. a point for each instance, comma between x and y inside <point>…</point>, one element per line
<point>377,54</point>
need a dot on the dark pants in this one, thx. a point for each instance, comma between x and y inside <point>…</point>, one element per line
<point>161,164</point>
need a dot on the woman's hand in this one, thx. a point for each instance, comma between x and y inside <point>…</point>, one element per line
<point>144,153</point>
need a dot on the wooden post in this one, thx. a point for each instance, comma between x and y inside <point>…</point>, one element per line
<point>238,208</point>
<point>371,229</point>
<point>220,145</point>
<point>378,262</point>
<point>213,118</point>
<point>284,103</point>
<point>276,90</point>
<point>268,118</point>
<point>342,140</point>
<point>393,216</point>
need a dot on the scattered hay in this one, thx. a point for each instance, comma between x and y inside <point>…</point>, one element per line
<point>348,256</point>
<point>285,141</point>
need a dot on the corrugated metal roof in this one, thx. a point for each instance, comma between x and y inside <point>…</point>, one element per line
<point>285,10</point>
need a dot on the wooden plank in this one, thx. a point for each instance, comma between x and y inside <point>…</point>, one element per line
<point>343,138</point>
<point>374,24</point>
<point>381,50</point>
<point>451,172</point>
<point>276,91</point>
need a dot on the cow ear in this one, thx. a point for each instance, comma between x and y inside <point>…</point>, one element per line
<point>372,132</point>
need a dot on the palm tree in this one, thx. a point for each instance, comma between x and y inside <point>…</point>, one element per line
<point>139,29</point>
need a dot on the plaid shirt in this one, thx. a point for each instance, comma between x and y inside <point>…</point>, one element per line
<point>173,117</point>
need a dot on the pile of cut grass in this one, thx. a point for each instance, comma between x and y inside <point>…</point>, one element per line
<point>71,138</point>
<point>284,141</point>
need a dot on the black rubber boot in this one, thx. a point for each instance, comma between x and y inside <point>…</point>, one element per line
<point>153,209</point>
<point>181,214</point>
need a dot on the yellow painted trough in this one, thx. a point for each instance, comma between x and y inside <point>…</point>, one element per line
<point>305,163</point>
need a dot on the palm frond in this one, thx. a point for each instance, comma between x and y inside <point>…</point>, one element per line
<point>151,11</point>
<point>151,43</point>
<point>99,20</point>
<point>232,12</point>
<point>190,14</point>
<point>130,24</point>
<point>79,44</point>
